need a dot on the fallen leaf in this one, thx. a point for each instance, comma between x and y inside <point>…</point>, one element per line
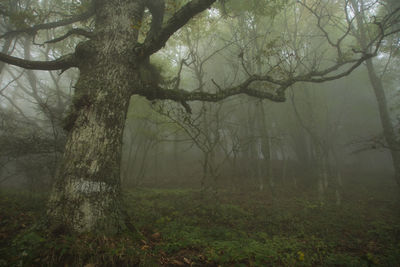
<point>145,247</point>
<point>176,262</point>
<point>156,236</point>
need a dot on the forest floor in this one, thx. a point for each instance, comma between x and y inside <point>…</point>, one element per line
<point>190,228</point>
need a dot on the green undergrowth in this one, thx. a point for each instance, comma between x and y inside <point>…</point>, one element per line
<point>190,228</point>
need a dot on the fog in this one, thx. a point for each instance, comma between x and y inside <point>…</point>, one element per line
<point>343,115</point>
<point>252,133</point>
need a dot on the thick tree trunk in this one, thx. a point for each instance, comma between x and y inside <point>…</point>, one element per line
<point>88,183</point>
<point>86,196</point>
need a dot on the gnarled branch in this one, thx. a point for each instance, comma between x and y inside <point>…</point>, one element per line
<point>152,92</point>
<point>177,21</point>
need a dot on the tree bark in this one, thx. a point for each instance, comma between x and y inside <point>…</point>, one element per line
<point>86,196</point>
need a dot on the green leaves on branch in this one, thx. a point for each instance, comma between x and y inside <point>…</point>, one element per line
<point>256,7</point>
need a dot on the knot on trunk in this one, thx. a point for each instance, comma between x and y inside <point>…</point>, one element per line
<point>85,51</point>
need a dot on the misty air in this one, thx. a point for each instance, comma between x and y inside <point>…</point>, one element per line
<point>199,133</point>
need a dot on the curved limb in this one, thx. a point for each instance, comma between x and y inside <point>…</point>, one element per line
<point>177,21</point>
<point>62,63</point>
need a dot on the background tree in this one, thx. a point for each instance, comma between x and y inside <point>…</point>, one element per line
<point>389,133</point>
<point>114,65</point>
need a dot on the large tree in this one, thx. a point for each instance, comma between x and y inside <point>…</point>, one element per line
<point>87,195</point>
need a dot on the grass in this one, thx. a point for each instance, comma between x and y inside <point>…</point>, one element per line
<point>188,228</point>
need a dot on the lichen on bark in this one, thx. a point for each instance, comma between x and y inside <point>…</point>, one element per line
<point>86,196</point>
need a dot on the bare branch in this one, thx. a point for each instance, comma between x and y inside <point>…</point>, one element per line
<point>177,79</point>
<point>62,63</point>
<point>75,31</point>
<point>11,101</point>
<point>51,25</point>
<point>321,76</point>
<point>10,82</point>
